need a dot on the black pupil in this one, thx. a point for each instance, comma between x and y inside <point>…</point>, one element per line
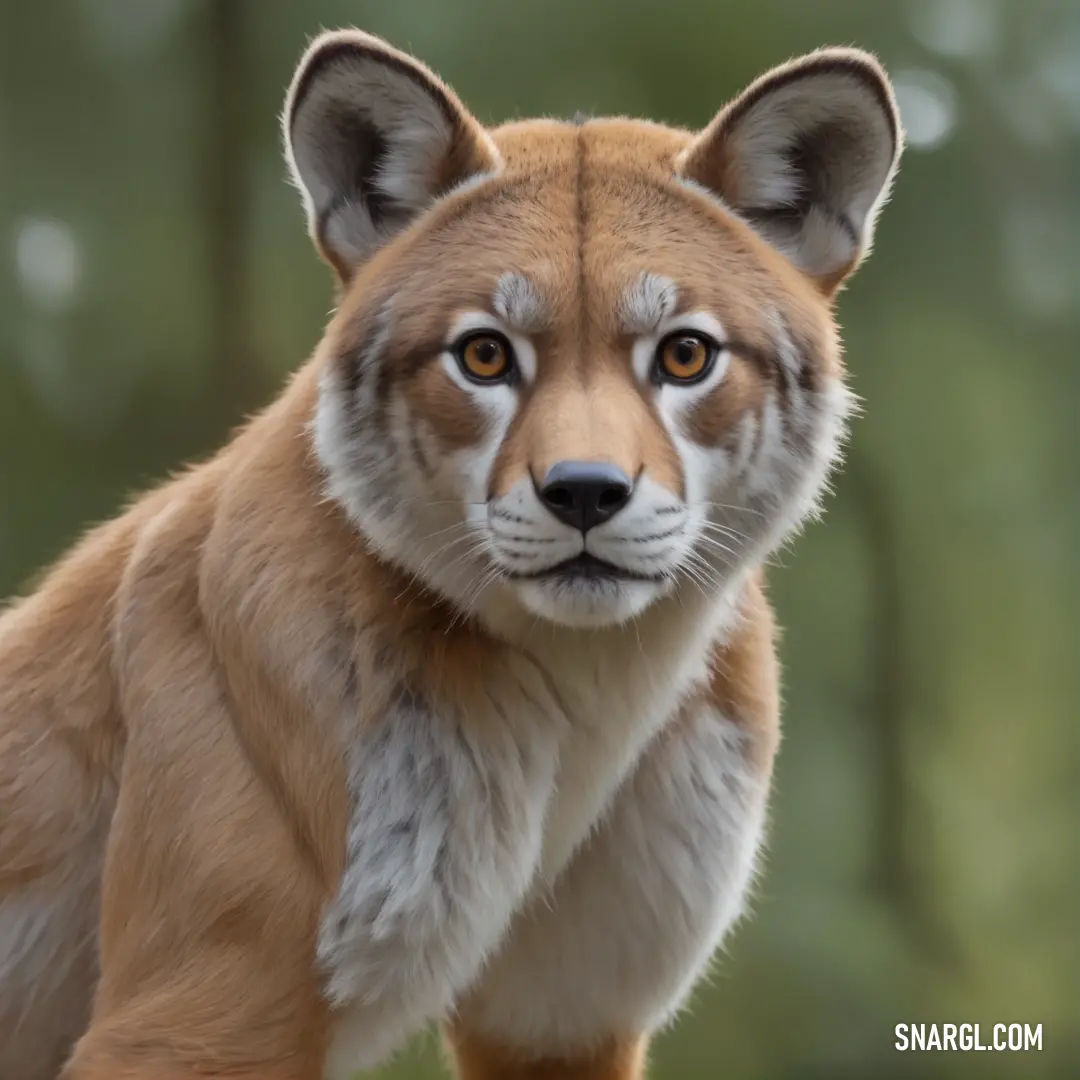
<point>487,352</point>
<point>685,352</point>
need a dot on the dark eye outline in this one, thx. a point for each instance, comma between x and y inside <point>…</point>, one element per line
<point>661,375</point>
<point>504,376</point>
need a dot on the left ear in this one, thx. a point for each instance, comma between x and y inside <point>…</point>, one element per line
<point>805,155</point>
<point>373,138</point>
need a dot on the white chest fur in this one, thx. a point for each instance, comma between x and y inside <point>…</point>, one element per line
<point>617,691</point>
<point>451,837</point>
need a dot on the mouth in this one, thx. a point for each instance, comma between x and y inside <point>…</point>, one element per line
<point>586,567</point>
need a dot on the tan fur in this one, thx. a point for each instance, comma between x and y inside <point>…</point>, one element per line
<point>178,683</point>
<point>620,1059</point>
<point>745,682</point>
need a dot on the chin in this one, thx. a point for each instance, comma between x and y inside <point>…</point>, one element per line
<point>587,604</point>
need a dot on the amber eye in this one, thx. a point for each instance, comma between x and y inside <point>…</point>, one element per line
<point>485,357</point>
<point>685,357</point>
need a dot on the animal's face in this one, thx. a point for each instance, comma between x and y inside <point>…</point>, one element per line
<point>578,366</point>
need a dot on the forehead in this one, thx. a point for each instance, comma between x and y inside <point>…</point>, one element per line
<point>573,223</point>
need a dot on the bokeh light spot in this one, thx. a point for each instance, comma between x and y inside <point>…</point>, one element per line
<point>927,103</point>
<point>48,262</point>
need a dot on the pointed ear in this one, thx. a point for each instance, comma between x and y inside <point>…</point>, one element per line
<point>372,137</point>
<point>805,155</point>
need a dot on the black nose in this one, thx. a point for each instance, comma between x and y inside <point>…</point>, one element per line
<point>585,493</point>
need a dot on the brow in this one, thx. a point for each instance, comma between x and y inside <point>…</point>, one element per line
<point>649,300</point>
<point>520,304</point>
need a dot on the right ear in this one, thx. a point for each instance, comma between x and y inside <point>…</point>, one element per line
<point>372,137</point>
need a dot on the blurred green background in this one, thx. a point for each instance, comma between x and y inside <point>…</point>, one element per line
<point>156,283</point>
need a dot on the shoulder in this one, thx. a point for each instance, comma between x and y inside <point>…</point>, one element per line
<point>744,681</point>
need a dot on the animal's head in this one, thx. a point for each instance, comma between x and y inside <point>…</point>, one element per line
<point>582,365</point>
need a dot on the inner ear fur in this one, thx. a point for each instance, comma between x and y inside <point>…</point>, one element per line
<point>806,155</point>
<point>372,138</point>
